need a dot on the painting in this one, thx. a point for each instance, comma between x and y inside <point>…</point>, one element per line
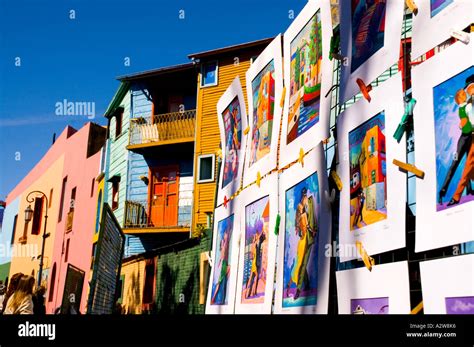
<point>302,206</point>
<point>263,89</point>
<point>439,5</point>
<point>453,120</point>
<point>233,137</point>
<point>257,219</point>
<point>305,79</point>
<point>368,174</point>
<point>460,305</point>
<point>368,29</point>
<point>222,261</point>
<point>370,306</point>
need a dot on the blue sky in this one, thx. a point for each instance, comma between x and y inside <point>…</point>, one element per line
<point>78,59</point>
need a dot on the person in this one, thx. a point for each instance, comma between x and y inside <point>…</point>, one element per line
<point>38,301</point>
<point>224,267</point>
<point>11,289</point>
<point>2,295</point>
<point>253,271</point>
<point>21,302</point>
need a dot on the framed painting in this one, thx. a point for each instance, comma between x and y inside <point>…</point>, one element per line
<point>232,118</point>
<point>448,285</point>
<point>264,90</point>
<point>302,284</point>
<point>308,79</point>
<point>384,290</point>
<point>373,195</point>
<point>370,41</point>
<point>443,123</point>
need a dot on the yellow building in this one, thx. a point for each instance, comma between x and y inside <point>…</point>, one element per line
<point>218,68</point>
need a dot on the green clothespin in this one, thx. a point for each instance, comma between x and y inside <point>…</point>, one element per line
<point>277,224</point>
<point>409,106</point>
<point>334,44</point>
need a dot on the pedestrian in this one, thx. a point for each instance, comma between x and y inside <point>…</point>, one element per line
<point>38,301</point>
<point>21,302</point>
<point>11,289</point>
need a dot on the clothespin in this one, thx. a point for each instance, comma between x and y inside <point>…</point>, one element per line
<point>226,201</point>
<point>246,130</point>
<point>364,89</point>
<point>277,224</point>
<point>409,106</point>
<point>409,167</point>
<point>301,157</point>
<point>460,36</point>
<point>219,153</point>
<point>418,308</point>
<point>326,141</point>
<point>335,45</point>
<point>259,178</point>
<point>368,260</point>
<point>336,179</point>
<point>210,259</point>
<point>412,6</point>
<point>282,100</point>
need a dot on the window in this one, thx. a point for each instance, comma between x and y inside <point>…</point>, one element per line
<point>50,198</point>
<point>66,256</point>
<point>115,195</point>
<point>209,74</point>
<point>73,200</point>
<point>92,187</point>
<point>61,204</point>
<point>37,214</point>
<point>14,229</point>
<point>118,124</point>
<point>97,217</point>
<point>206,165</point>
<point>51,285</point>
<point>149,281</point>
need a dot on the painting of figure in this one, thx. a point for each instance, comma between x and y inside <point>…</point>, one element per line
<point>257,218</point>
<point>233,137</point>
<point>368,173</point>
<point>300,272</point>
<point>453,118</point>
<point>368,29</point>
<point>370,306</point>
<point>438,5</point>
<point>263,91</point>
<point>220,288</point>
<point>305,79</point>
<point>460,305</point>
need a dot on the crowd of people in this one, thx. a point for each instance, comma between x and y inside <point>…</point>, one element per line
<point>21,296</point>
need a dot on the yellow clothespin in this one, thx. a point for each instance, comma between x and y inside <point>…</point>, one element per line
<point>417,309</point>
<point>282,100</point>
<point>336,179</point>
<point>246,131</point>
<point>412,6</point>
<point>326,141</point>
<point>259,177</point>
<point>408,167</point>
<point>368,260</point>
<point>301,157</point>
<point>219,153</point>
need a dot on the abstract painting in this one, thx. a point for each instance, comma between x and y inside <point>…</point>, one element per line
<point>453,118</point>
<point>257,220</point>
<point>370,306</point>
<point>222,261</point>
<point>300,272</point>
<point>263,89</point>
<point>438,5</point>
<point>368,174</point>
<point>305,79</point>
<point>368,29</point>
<point>233,136</point>
<point>460,305</point>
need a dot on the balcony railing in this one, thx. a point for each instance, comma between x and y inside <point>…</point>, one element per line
<point>163,128</point>
<point>137,216</point>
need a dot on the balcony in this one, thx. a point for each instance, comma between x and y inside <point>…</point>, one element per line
<point>140,219</point>
<point>162,129</point>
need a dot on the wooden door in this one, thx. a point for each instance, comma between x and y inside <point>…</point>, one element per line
<point>163,202</point>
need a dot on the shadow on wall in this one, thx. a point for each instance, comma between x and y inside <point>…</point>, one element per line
<point>133,297</point>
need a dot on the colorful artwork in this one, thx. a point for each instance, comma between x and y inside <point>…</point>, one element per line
<point>369,306</point>
<point>263,89</point>
<point>438,5</point>
<point>233,136</point>
<point>460,305</point>
<point>220,288</point>
<point>300,271</point>
<point>305,78</point>
<point>368,173</point>
<point>257,218</point>
<point>453,113</point>
<point>368,29</point>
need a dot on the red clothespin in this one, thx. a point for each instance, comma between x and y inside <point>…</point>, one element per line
<point>226,201</point>
<point>364,89</point>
